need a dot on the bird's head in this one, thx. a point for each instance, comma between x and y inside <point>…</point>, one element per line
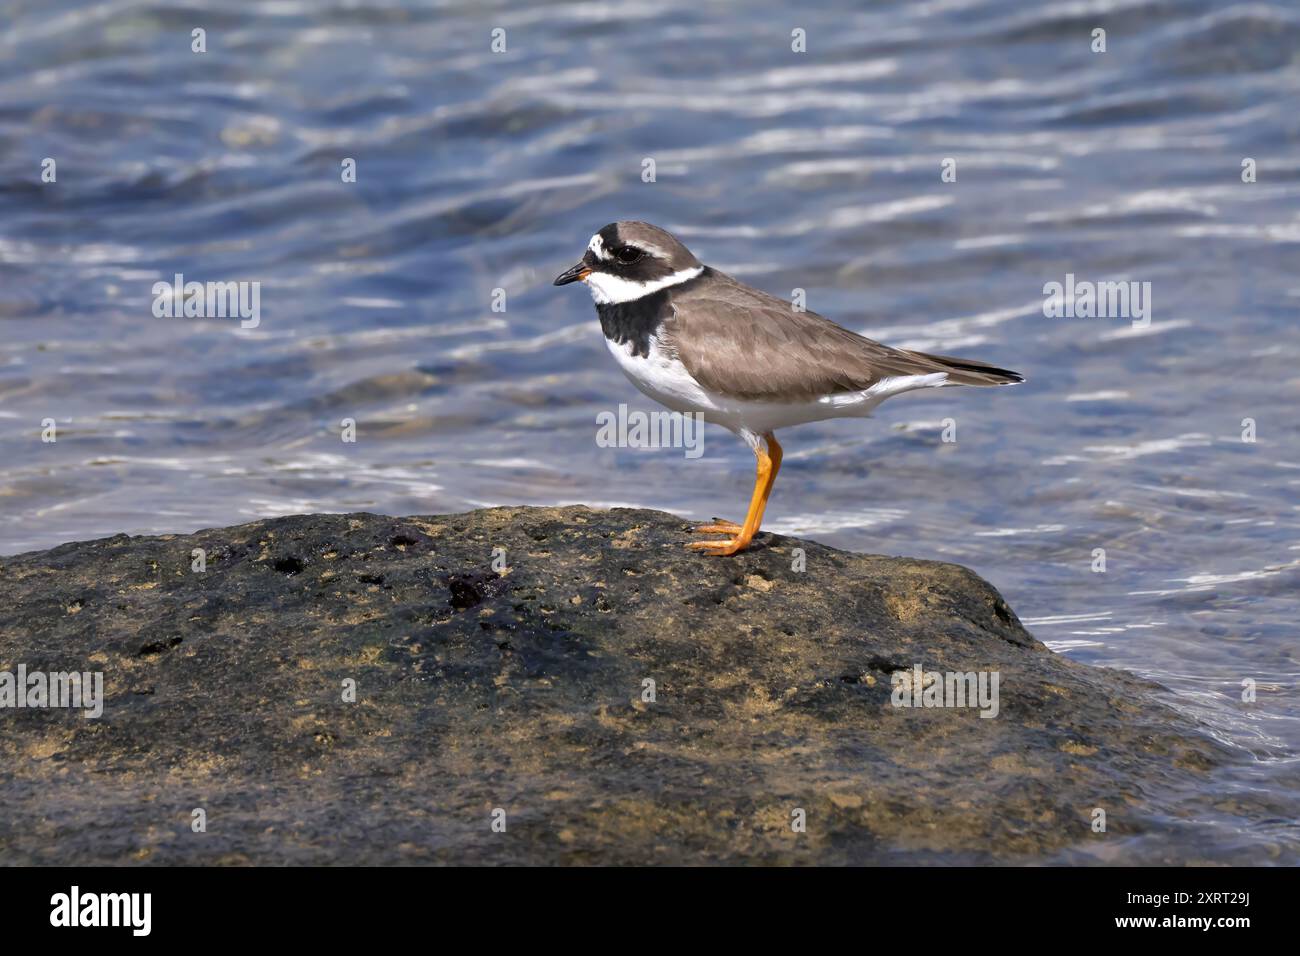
<point>627,260</point>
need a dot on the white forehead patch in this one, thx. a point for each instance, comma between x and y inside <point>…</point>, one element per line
<point>597,246</point>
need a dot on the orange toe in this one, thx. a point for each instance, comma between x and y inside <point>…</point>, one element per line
<point>720,549</point>
<point>720,526</point>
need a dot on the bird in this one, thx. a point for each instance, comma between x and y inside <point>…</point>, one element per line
<point>698,341</point>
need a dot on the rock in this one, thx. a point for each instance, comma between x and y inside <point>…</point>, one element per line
<point>525,688</point>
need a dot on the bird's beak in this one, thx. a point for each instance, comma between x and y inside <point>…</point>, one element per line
<point>580,271</point>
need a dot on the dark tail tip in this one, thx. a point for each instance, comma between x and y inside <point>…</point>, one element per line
<point>997,376</point>
<point>977,373</point>
<point>969,372</point>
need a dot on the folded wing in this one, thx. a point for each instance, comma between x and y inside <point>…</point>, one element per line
<point>749,345</point>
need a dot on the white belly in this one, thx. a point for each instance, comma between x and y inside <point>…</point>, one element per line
<point>664,378</point>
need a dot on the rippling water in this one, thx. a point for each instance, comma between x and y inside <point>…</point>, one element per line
<point>479,170</point>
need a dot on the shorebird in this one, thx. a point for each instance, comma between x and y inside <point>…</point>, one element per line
<point>696,340</point>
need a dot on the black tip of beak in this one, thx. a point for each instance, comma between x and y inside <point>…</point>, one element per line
<point>580,271</point>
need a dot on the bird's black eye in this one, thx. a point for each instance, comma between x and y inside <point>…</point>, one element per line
<point>628,254</point>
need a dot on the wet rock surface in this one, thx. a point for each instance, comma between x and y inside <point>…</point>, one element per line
<point>524,687</point>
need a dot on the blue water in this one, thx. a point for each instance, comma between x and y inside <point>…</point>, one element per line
<point>479,171</point>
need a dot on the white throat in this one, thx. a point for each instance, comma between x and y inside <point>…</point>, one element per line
<point>608,289</point>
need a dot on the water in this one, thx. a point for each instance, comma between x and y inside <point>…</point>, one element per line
<point>479,171</point>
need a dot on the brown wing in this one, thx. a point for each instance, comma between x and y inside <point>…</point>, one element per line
<point>746,344</point>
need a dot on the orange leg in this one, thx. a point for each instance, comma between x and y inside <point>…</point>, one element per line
<point>768,464</point>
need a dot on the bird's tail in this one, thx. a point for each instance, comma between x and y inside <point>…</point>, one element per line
<point>965,372</point>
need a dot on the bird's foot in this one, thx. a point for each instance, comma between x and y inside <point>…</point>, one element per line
<point>721,549</point>
<point>719,526</point>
